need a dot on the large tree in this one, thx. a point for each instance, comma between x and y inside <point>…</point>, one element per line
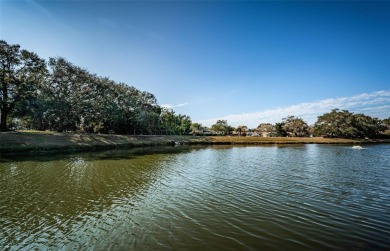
<point>295,126</point>
<point>335,124</point>
<point>344,124</point>
<point>147,111</point>
<point>66,97</point>
<point>386,122</point>
<point>20,73</point>
<point>174,124</point>
<point>367,126</point>
<point>69,88</point>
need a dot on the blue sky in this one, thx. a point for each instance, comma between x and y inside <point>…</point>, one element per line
<point>247,62</point>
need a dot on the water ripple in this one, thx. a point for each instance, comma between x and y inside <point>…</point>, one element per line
<point>309,197</point>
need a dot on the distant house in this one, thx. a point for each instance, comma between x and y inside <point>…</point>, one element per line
<point>206,132</point>
<point>249,134</point>
<point>266,134</point>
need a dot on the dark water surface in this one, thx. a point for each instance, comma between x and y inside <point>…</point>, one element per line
<point>306,197</point>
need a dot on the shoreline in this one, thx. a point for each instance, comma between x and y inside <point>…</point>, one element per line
<point>43,142</point>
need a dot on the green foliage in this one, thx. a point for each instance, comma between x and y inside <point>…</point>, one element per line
<point>242,129</point>
<point>386,123</point>
<point>335,124</point>
<point>367,126</point>
<point>221,127</point>
<point>175,124</point>
<point>64,97</point>
<point>279,130</point>
<point>295,127</point>
<point>67,93</point>
<point>344,124</point>
<point>197,129</point>
<point>67,97</point>
<point>20,74</point>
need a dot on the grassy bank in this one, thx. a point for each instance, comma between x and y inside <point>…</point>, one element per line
<point>34,141</point>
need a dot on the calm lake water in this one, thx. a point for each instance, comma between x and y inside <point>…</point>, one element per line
<point>305,197</point>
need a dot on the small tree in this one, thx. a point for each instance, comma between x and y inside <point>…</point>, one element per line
<point>185,124</point>
<point>222,127</point>
<point>196,128</point>
<point>279,130</point>
<point>242,129</point>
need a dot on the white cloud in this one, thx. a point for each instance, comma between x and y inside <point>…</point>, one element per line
<point>174,106</point>
<point>376,104</point>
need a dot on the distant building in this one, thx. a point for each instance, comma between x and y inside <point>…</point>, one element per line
<point>249,134</point>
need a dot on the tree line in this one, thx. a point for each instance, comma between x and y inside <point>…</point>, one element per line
<point>334,124</point>
<point>60,96</point>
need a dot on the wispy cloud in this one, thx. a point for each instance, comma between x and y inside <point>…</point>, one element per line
<point>376,104</point>
<point>46,12</point>
<point>174,106</point>
<point>40,7</point>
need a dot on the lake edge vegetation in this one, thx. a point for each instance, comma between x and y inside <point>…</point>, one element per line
<point>60,96</point>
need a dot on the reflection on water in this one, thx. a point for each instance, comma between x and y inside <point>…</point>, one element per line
<point>315,197</point>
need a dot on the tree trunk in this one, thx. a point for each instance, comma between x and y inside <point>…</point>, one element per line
<point>4,110</point>
<point>3,125</point>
